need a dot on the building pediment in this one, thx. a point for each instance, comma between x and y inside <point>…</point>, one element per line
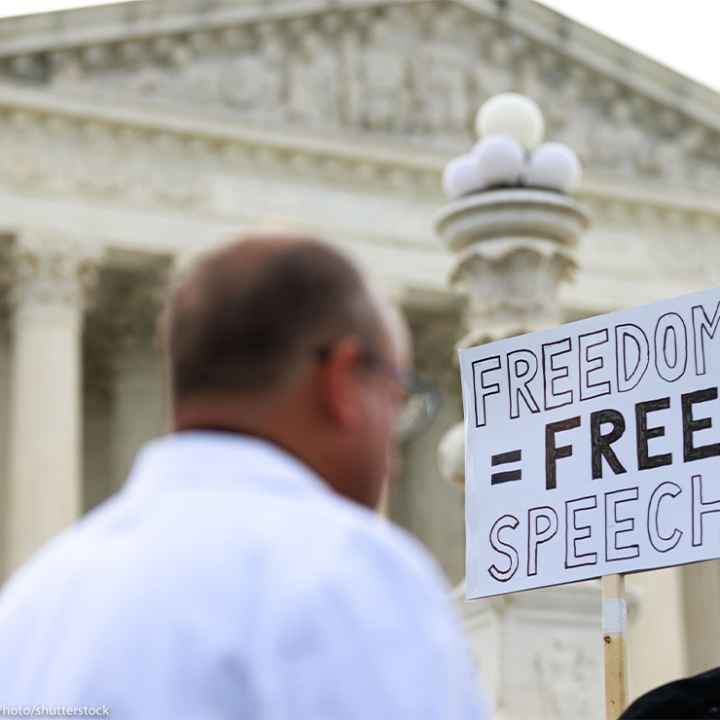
<point>407,73</point>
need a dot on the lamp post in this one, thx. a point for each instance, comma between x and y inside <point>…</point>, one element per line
<point>513,228</point>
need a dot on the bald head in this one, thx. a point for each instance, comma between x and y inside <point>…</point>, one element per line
<point>281,338</point>
<point>247,314</point>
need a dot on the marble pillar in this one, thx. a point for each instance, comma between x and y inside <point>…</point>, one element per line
<point>138,403</point>
<point>126,389</point>
<point>430,509</point>
<point>701,605</point>
<point>133,298</point>
<point>539,652</point>
<point>4,433</point>
<point>50,284</point>
<point>656,645</point>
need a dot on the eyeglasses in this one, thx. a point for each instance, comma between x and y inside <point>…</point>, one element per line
<point>423,400</point>
<point>422,396</point>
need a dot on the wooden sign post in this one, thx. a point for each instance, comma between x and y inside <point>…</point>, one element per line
<point>613,624</point>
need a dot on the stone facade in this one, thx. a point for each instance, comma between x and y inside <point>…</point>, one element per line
<point>138,133</point>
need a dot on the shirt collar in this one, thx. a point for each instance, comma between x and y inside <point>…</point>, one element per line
<point>215,459</point>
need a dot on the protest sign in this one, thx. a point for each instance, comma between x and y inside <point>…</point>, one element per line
<point>593,448</point>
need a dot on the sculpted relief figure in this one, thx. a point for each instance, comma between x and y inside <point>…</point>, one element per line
<point>71,76</point>
<point>67,71</point>
<point>314,87</point>
<point>195,80</point>
<point>496,74</point>
<point>440,76</point>
<point>249,84</point>
<point>569,117</point>
<point>249,81</point>
<point>690,155</point>
<point>706,172</point>
<point>383,98</point>
<point>253,82</point>
<point>618,144</point>
<point>199,80</point>
<point>146,82</point>
<point>670,153</point>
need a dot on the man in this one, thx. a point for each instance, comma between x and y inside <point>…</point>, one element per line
<point>241,572</point>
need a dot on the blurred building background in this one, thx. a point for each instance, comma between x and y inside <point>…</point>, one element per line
<point>134,135</point>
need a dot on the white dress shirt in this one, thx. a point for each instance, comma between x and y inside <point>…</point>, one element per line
<point>226,580</point>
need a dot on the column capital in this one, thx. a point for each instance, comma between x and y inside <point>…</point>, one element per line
<point>433,335</point>
<point>52,270</point>
<point>132,299</point>
<point>513,250</point>
<point>121,326</point>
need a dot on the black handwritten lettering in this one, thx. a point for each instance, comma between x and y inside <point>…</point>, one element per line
<point>662,543</point>
<point>552,452</point>
<point>538,535</point>
<point>591,365</point>
<point>644,434</point>
<point>601,442</point>
<point>702,326</point>
<point>616,526</point>
<point>629,378</point>
<point>690,426</point>
<point>575,532</point>
<point>503,548</point>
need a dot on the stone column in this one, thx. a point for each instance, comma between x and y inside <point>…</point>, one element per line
<point>97,440</point>
<point>701,604</point>
<point>138,403</point>
<point>433,511</point>
<point>4,409</point>
<point>684,601</point>
<point>656,647</point>
<point>51,279</point>
<point>539,651</point>
<point>129,305</point>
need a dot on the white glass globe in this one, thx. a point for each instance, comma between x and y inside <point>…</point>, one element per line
<point>553,166</point>
<point>461,176</point>
<point>500,160</point>
<point>514,115</point>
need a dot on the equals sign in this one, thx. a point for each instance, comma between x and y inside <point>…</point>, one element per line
<point>503,459</point>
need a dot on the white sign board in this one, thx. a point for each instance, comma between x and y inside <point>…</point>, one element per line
<point>593,448</point>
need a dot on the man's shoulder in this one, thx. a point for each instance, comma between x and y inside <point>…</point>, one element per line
<point>389,544</point>
<point>354,550</point>
<point>317,544</point>
<point>240,550</point>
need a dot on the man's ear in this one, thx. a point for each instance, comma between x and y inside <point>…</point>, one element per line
<point>339,385</point>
